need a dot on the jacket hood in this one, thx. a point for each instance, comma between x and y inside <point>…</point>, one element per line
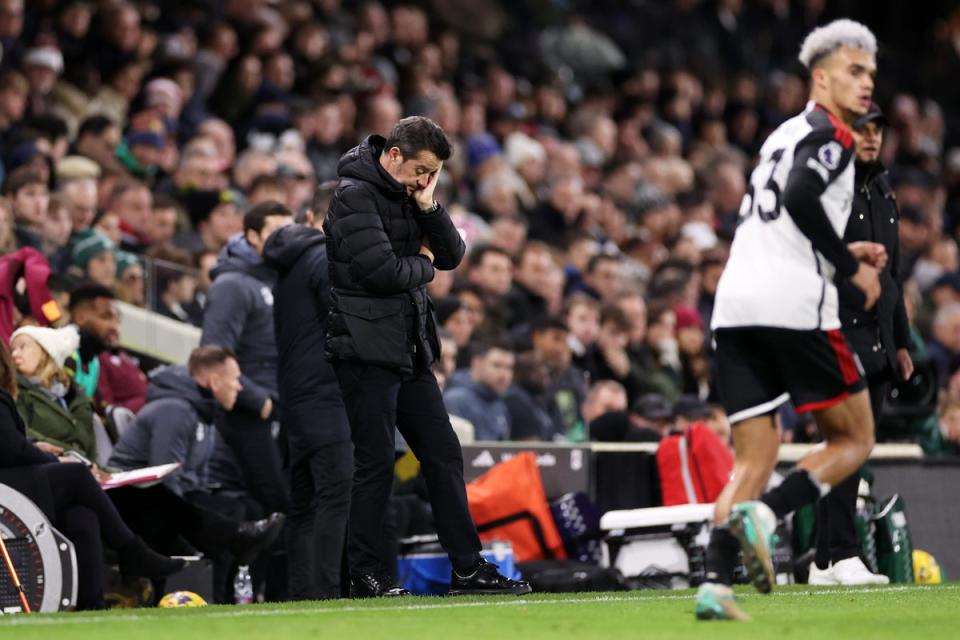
<point>238,255</point>
<point>363,163</point>
<point>176,382</point>
<point>285,246</point>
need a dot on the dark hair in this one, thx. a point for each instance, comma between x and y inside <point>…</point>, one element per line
<point>95,125</point>
<point>8,373</point>
<point>171,264</point>
<point>165,201</point>
<point>614,314</point>
<point>601,257</point>
<point>320,201</point>
<point>548,323</point>
<point>481,348</point>
<point>256,216</point>
<point>533,246</point>
<point>49,127</point>
<point>207,357</point>
<point>265,180</point>
<point>87,293</point>
<point>418,133</point>
<point>22,177</point>
<point>482,251</point>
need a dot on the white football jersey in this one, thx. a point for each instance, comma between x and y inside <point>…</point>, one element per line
<point>774,277</point>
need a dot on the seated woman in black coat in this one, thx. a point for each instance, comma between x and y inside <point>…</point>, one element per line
<point>83,512</point>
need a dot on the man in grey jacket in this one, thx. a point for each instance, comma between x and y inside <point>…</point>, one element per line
<point>177,423</point>
<point>239,317</point>
<point>479,396</point>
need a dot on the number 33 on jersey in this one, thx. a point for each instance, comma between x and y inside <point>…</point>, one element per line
<point>774,277</point>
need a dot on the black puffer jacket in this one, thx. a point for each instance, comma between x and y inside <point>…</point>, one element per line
<point>310,399</point>
<point>876,218</point>
<point>381,313</point>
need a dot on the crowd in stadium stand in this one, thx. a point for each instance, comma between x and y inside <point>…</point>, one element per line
<point>601,155</point>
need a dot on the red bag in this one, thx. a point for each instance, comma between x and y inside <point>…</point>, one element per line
<point>508,502</point>
<point>694,466</point>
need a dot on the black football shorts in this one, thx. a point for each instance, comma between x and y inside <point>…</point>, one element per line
<point>760,368</point>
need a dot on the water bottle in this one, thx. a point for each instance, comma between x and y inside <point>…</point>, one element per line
<point>243,586</point>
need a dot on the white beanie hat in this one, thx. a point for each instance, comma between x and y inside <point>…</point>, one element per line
<point>58,343</point>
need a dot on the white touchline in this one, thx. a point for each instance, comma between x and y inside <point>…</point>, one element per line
<point>257,612</point>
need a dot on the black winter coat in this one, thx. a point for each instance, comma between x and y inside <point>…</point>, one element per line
<point>381,311</point>
<point>239,316</point>
<point>15,449</point>
<point>310,399</point>
<point>875,217</point>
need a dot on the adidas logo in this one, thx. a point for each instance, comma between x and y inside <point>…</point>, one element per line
<point>485,459</point>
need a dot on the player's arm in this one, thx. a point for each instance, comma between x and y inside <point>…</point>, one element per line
<point>818,160</point>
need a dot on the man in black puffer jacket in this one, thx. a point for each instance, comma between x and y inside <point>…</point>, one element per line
<point>386,235</point>
<point>318,434</point>
<point>879,336</point>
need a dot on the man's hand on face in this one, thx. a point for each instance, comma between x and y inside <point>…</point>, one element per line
<point>424,197</point>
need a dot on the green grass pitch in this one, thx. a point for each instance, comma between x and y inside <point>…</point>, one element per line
<point>924,613</point>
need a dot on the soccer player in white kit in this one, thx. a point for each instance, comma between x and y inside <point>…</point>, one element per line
<point>776,321</point>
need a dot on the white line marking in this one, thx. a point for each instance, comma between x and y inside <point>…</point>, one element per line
<point>257,612</point>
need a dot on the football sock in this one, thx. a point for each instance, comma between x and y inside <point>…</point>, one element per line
<point>799,488</point>
<point>722,555</point>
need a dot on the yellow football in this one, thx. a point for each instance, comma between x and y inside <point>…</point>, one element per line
<point>181,599</point>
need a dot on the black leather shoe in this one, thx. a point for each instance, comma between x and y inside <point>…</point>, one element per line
<point>256,535</point>
<point>137,559</point>
<point>486,579</point>
<point>370,586</point>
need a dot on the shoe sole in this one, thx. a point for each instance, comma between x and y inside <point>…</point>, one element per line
<point>756,555</point>
<point>516,591</point>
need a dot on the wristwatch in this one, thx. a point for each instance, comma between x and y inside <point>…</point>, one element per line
<point>433,208</point>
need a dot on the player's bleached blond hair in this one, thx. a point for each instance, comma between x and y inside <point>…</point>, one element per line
<point>824,40</point>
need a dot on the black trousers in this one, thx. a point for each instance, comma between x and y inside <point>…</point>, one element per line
<point>317,523</point>
<point>258,455</point>
<point>378,400</point>
<point>84,514</point>
<point>836,533</point>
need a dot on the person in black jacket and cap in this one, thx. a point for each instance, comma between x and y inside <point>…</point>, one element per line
<point>386,236</point>
<point>880,336</point>
<point>318,434</point>
<point>239,317</point>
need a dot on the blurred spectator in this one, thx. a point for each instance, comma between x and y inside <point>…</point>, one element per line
<point>944,348</point>
<point>27,191</point>
<point>478,394</point>
<point>941,434</point>
<point>55,408</point>
<point>77,178</point>
<point>581,314</point>
<point>608,359</point>
<point>527,400</point>
<point>531,285</point>
<point>131,280</point>
<point>176,284</point>
<point>566,384</point>
<point>604,397</point>
<point>107,374</point>
<point>93,255</point>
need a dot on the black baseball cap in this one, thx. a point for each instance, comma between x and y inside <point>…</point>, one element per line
<point>653,406</point>
<point>874,114</point>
